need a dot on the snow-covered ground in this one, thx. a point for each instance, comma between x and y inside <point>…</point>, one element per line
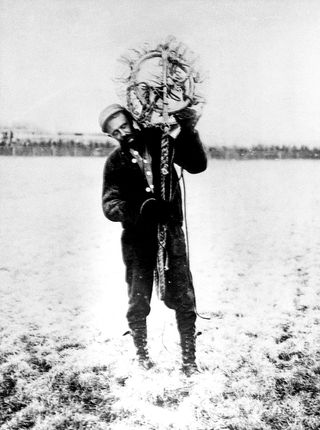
<point>254,232</point>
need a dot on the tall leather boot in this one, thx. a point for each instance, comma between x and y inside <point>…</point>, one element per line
<point>139,335</point>
<point>188,348</point>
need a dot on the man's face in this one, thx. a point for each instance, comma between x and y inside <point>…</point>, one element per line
<point>120,128</point>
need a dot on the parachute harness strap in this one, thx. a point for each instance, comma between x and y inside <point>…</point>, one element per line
<point>162,257</point>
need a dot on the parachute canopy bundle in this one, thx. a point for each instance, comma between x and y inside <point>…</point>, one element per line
<point>155,82</point>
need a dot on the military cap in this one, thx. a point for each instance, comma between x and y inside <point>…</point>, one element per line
<point>108,112</point>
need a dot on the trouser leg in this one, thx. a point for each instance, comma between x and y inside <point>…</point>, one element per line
<point>180,297</point>
<point>139,258</point>
<point>140,290</point>
<point>139,294</point>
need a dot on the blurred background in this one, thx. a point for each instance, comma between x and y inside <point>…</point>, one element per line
<point>58,60</point>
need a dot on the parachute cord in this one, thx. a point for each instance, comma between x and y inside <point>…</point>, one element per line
<point>162,336</point>
<point>185,215</point>
<point>187,236</point>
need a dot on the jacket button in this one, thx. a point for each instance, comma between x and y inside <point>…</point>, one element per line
<point>148,189</point>
<point>133,160</point>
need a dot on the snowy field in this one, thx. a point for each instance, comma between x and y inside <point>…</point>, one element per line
<point>254,231</point>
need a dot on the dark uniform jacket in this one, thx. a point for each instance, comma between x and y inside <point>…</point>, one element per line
<point>125,187</point>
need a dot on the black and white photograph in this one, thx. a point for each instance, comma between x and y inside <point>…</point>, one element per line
<point>160,214</point>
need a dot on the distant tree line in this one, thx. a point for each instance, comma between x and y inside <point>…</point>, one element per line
<point>58,147</point>
<point>272,152</point>
<point>72,147</point>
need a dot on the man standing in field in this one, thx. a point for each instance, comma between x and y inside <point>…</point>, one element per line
<point>131,195</point>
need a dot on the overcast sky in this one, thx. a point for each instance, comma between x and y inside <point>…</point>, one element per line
<point>57,61</point>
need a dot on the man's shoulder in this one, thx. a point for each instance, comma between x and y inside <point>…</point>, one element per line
<point>114,159</point>
<point>115,154</point>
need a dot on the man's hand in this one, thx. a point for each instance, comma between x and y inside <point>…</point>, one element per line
<point>187,118</point>
<point>153,210</point>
